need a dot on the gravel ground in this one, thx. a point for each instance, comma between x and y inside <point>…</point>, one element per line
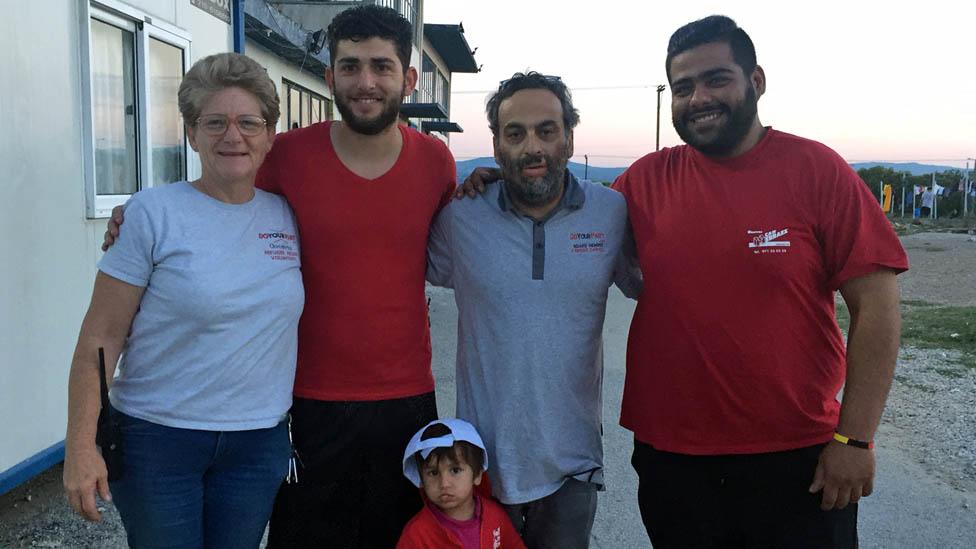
<point>930,419</point>
<point>931,415</point>
<point>37,515</point>
<point>932,406</point>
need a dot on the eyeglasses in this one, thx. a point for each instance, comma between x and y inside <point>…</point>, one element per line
<point>216,125</point>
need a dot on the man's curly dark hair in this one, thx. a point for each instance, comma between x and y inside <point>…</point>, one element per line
<point>710,30</point>
<point>532,81</point>
<point>372,21</point>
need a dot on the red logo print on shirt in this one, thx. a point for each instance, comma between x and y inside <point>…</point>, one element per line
<point>587,243</point>
<point>281,246</point>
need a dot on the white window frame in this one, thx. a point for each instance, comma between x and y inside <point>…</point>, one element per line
<point>144,28</point>
<point>304,94</point>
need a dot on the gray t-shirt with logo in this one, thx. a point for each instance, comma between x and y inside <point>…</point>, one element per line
<point>214,343</point>
<point>531,298</point>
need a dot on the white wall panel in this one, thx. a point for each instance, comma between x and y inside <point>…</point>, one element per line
<point>49,250</point>
<point>278,70</point>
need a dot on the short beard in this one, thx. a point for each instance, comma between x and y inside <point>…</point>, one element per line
<point>536,192</point>
<point>739,122</point>
<point>365,126</point>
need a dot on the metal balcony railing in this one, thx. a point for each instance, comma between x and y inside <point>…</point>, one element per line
<point>433,86</point>
<point>408,9</point>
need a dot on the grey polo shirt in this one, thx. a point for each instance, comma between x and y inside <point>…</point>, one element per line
<point>531,297</point>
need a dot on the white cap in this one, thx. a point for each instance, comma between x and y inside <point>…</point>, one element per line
<point>460,430</point>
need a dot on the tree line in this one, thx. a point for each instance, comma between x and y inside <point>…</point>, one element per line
<point>949,203</point>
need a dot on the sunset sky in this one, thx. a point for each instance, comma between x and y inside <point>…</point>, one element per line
<point>877,81</point>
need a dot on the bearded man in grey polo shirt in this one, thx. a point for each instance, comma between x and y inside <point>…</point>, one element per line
<point>531,261</point>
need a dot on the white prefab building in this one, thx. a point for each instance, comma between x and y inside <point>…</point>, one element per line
<point>438,51</point>
<point>88,100</point>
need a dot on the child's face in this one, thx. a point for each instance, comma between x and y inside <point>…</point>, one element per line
<point>449,484</point>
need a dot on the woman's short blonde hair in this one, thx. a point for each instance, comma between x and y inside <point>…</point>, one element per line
<point>225,70</point>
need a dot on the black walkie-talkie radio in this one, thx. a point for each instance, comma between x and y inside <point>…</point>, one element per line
<point>108,435</point>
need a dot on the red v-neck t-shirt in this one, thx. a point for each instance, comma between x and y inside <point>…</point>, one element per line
<point>364,333</point>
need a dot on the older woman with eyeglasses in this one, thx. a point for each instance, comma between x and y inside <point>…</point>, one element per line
<point>202,291</point>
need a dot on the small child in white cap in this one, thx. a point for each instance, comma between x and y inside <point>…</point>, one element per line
<point>447,459</point>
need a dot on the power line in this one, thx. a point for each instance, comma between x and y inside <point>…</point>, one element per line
<point>910,160</point>
<point>574,89</point>
<point>469,156</point>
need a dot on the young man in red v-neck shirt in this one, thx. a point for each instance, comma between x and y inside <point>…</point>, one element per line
<point>365,191</point>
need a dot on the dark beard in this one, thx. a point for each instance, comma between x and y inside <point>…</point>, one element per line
<point>537,192</point>
<point>366,126</point>
<point>738,123</point>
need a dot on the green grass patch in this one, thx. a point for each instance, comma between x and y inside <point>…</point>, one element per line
<point>904,227</point>
<point>930,326</point>
<point>843,316</point>
<point>916,303</point>
<point>940,328</point>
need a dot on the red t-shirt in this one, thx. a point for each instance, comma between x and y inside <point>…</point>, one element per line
<point>364,333</point>
<point>734,347</point>
<point>425,531</point>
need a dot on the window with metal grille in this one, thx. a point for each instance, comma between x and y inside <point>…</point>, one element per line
<point>304,107</point>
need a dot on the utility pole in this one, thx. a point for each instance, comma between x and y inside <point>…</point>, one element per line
<point>965,191</point>
<point>237,16</point>
<point>967,188</point>
<point>903,196</point>
<point>657,141</point>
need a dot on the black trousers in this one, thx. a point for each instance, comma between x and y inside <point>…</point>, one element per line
<point>351,492</point>
<point>733,501</point>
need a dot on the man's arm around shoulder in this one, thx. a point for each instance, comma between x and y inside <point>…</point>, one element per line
<point>440,252</point>
<point>627,273</point>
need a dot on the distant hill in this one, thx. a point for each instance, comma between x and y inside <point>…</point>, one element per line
<point>911,167</point>
<point>465,167</point>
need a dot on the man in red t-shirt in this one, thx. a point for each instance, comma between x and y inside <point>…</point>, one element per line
<point>735,358</point>
<point>365,191</point>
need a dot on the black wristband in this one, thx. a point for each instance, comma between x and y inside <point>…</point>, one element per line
<point>853,442</point>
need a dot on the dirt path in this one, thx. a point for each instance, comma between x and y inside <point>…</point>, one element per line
<point>943,269</point>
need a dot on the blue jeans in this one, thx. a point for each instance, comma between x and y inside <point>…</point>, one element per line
<point>196,489</point>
